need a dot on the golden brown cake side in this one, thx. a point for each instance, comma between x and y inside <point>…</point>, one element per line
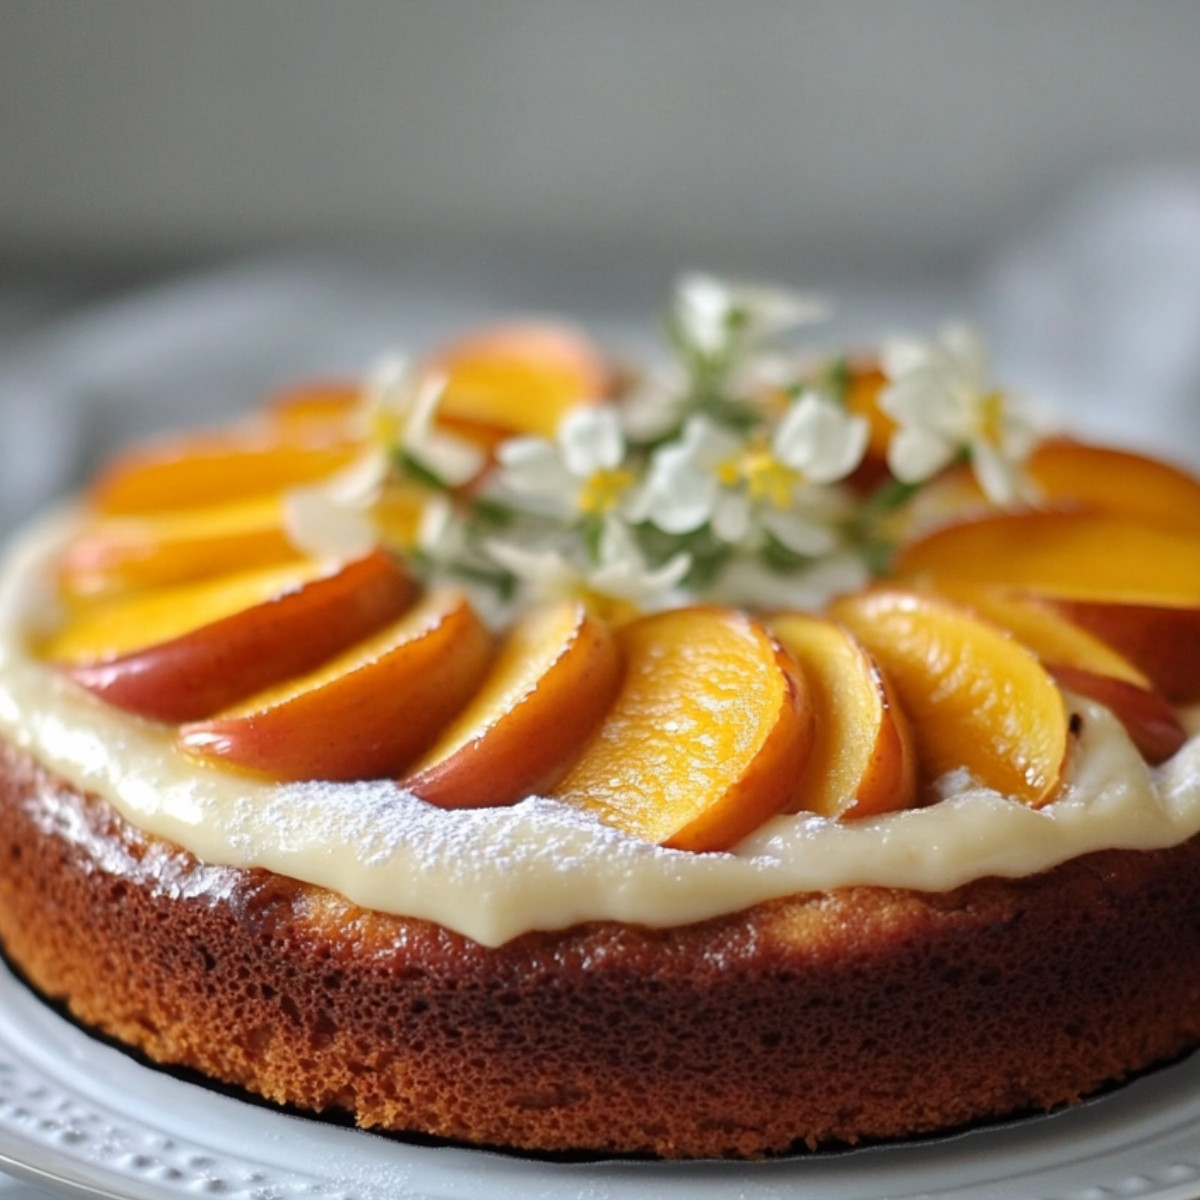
<point>859,1014</point>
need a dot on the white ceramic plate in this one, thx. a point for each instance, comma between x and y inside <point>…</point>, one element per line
<point>79,1116</point>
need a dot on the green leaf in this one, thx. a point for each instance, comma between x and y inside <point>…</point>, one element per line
<point>413,468</point>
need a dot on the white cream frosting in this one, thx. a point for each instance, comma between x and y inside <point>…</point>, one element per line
<point>493,873</point>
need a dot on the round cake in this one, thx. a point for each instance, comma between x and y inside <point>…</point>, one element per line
<point>722,760</point>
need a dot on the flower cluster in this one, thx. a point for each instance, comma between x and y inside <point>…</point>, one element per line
<point>741,469</point>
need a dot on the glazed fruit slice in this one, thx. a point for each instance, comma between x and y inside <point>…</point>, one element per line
<point>1150,721</point>
<point>977,698</point>
<point>863,760</point>
<point>553,679</point>
<point>1161,640</point>
<point>124,554</point>
<point>1082,555</point>
<point>1116,481</point>
<point>1036,623</point>
<point>365,714</point>
<point>213,468</point>
<point>521,377</point>
<point>183,653</point>
<point>706,737</point>
<point>1081,662</point>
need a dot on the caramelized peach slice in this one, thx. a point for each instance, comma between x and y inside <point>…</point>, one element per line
<point>1118,482</point>
<point>1082,555</point>
<point>706,737</point>
<point>1152,724</point>
<point>182,653</point>
<point>1082,662</point>
<point>863,761</point>
<point>520,378</point>
<point>1056,640</point>
<point>124,554</point>
<point>866,383</point>
<point>332,404</point>
<point>977,698</point>
<point>365,714</point>
<point>554,678</point>
<point>1161,640</point>
<point>194,470</point>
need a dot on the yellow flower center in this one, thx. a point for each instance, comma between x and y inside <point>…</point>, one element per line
<point>764,477</point>
<point>602,491</point>
<point>990,419</point>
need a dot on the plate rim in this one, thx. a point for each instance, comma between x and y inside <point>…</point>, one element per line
<point>80,1114</point>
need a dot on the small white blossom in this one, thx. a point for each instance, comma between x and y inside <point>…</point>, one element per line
<point>735,484</point>
<point>683,490</point>
<point>619,572</point>
<point>712,313</point>
<point>401,410</point>
<point>939,397</point>
<point>818,438</point>
<point>334,518</point>
<point>580,473</point>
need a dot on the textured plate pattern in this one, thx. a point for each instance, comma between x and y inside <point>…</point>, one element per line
<point>85,1119</point>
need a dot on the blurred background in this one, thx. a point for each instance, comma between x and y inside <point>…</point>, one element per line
<point>205,198</point>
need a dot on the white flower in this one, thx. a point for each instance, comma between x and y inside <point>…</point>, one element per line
<point>620,571</point>
<point>939,396</point>
<point>683,490</point>
<point>654,405</point>
<point>820,439</point>
<point>749,582</point>
<point>712,476</point>
<point>334,518</point>
<point>713,314</point>
<point>401,410</point>
<point>580,473</point>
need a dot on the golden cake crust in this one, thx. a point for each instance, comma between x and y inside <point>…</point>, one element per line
<point>863,1013</point>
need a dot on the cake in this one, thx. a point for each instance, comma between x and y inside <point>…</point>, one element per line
<point>772,751</point>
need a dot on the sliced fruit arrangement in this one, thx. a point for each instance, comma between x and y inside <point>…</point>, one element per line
<point>123,554</point>
<point>364,714</point>
<point>520,377</point>
<point>706,738</point>
<point>977,698</point>
<point>183,653</point>
<point>1081,662</point>
<point>1105,479</point>
<point>550,684</point>
<point>194,470</point>
<point>186,602</point>
<point>863,760</point>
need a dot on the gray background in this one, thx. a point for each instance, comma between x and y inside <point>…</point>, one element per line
<point>811,136</point>
<point>201,199</point>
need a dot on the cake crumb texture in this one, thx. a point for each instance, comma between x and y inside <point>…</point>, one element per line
<point>860,1014</point>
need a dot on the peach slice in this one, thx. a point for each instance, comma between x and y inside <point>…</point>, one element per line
<point>193,470</point>
<point>1082,555</point>
<point>1080,661</point>
<point>1161,640</point>
<point>977,698</point>
<point>365,714</point>
<point>123,554</point>
<point>553,679</point>
<point>863,760</point>
<point>182,653</point>
<point>1116,481</point>
<point>521,377</point>
<point>706,737</point>
<point>332,404</point>
<point>1150,721</point>
<point>1036,623</point>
